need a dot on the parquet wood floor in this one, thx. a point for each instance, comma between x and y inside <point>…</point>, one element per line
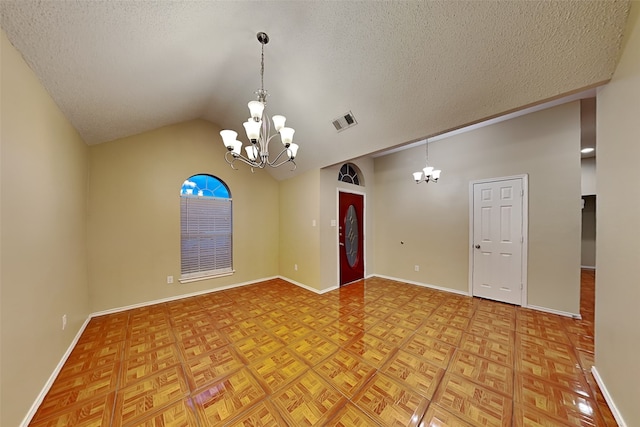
<point>374,353</point>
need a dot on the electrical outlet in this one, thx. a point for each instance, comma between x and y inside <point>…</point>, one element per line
<point>169,279</point>
<point>416,268</point>
<point>313,223</point>
<point>295,267</point>
<point>64,321</point>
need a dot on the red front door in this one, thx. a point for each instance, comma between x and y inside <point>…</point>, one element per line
<point>351,237</point>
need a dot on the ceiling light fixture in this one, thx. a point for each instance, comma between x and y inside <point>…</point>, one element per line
<point>587,150</point>
<point>428,174</point>
<point>258,129</point>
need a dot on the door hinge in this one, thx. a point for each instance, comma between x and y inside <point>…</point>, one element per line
<point>521,286</point>
<point>521,192</point>
<point>521,239</point>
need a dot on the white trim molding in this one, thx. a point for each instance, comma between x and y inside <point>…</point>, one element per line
<point>178,297</point>
<point>38,401</point>
<point>424,285</point>
<point>309,288</point>
<point>47,386</point>
<point>554,311</point>
<point>607,397</point>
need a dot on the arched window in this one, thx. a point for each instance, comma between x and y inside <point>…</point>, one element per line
<point>349,173</point>
<point>205,228</point>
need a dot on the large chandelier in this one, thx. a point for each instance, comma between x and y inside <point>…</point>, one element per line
<point>428,173</point>
<point>258,129</point>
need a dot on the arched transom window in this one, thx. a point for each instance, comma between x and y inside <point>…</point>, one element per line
<point>349,173</point>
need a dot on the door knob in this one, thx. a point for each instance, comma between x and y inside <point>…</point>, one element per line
<point>341,244</point>
<point>477,246</point>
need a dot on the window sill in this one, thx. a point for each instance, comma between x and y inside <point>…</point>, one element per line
<point>209,276</point>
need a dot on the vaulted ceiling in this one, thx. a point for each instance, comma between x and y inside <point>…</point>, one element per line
<point>406,69</point>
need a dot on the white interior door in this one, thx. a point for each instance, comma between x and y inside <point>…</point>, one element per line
<point>498,240</point>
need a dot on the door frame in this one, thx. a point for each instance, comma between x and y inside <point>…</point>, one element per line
<point>364,230</point>
<point>525,229</point>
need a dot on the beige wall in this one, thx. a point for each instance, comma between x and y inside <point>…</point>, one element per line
<point>44,269</point>
<point>134,214</point>
<point>588,176</point>
<point>299,237</point>
<point>329,188</point>
<point>618,278</point>
<point>428,224</point>
<point>588,257</point>
<point>310,197</point>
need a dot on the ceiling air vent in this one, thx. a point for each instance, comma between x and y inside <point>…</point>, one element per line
<point>344,122</point>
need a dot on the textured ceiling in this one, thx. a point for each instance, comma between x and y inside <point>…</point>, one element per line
<point>407,70</point>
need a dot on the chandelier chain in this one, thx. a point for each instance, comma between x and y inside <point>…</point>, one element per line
<point>262,69</point>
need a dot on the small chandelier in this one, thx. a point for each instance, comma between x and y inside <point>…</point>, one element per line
<point>258,129</point>
<point>428,174</point>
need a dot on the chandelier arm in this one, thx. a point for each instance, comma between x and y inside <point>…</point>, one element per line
<point>268,140</point>
<point>226,158</point>
<point>243,159</point>
<point>250,163</point>
<point>274,161</point>
<point>283,162</point>
<point>266,136</point>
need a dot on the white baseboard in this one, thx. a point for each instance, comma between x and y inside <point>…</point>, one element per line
<point>45,389</point>
<point>49,383</point>
<point>612,406</point>
<point>455,291</point>
<point>36,404</point>
<point>178,297</point>
<point>588,267</point>
<point>237,285</point>
<point>554,311</point>
<point>333,288</point>
<point>424,285</point>
<point>309,288</point>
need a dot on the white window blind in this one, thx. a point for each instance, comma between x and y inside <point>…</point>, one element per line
<point>205,229</point>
